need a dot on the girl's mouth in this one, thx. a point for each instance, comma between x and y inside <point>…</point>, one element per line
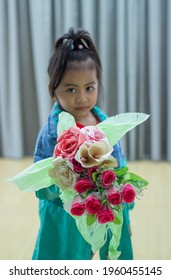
<point>82,108</point>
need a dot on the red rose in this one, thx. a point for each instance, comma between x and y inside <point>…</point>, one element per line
<point>92,204</point>
<point>105,215</point>
<point>114,196</point>
<point>91,170</point>
<point>77,166</point>
<point>83,185</point>
<point>108,177</point>
<point>128,193</point>
<point>78,206</point>
<point>68,143</point>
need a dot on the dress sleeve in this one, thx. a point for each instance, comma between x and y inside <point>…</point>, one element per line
<point>119,155</point>
<point>44,149</point>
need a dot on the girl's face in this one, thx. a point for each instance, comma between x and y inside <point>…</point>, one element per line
<point>78,90</point>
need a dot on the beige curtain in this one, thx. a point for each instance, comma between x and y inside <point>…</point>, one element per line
<point>134,41</point>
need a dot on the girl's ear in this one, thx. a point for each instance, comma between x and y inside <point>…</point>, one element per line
<point>50,89</point>
<point>54,98</point>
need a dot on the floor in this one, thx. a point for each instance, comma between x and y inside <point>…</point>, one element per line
<point>150,219</point>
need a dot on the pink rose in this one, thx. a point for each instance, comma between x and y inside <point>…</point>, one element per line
<point>92,204</point>
<point>108,177</point>
<point>83,185</point>
<point>69,142</point>
<point>105,215</point>
<point>78,206</point>
<point>114,196</point>
<point>93,134</point>
<point>128,193</point>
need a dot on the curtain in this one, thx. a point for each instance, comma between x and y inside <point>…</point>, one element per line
<point>133,38</point>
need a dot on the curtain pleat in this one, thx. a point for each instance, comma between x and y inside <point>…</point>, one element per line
<point>131,69</point>
<point>11,103</point>
<point>134,42</point>
<point>120,58</point>
<point>154,55</point>
<point>168,73</point>
<point>41,44</point>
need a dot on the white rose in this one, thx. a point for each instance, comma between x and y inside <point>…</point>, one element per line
<point>63,173</point>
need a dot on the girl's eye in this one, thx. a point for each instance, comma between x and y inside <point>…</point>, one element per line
<point>71,90</point>
<point>90,88</point>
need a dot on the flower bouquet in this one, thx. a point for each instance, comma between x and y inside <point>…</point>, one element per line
<point>93,189</point>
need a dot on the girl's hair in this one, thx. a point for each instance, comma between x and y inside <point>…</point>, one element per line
<point>76,45</point>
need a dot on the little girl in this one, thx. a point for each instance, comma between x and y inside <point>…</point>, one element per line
<point>74,84</point>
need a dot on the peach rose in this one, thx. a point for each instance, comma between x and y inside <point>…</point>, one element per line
<point>69,142</point>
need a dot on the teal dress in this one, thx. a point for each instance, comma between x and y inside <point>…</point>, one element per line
<point>58,237</point>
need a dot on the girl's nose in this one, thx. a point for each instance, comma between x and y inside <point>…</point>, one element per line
<point>81,97</point>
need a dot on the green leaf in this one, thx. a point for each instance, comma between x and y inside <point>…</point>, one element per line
<point>93,234</point>
<point>66,121</point>
<point>135,180</point>
<point>121,171</point>
<point>117,221</point>
<point>117,126</point>
<point>115,240</point>
<point>34,177</point>
<point>91,219</point>
<point>94,176</point>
